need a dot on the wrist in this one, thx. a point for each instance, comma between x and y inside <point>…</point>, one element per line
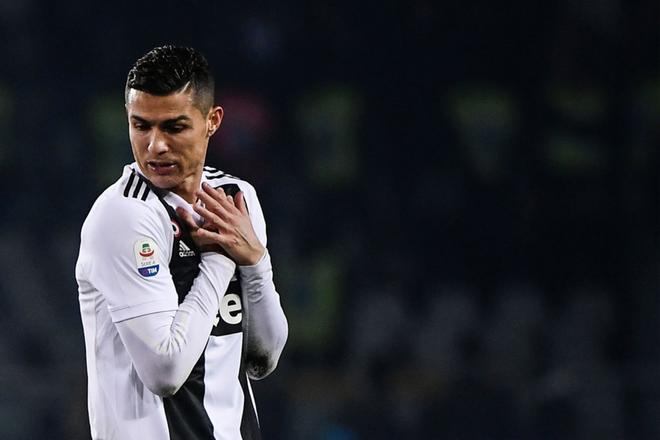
<point>254,258</point>
<point>218,259</point>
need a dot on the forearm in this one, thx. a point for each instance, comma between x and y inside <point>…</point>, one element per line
<point>266,326</point>
<point>165,346</point>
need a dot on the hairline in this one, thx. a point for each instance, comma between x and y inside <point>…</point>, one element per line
<point>187,88</point>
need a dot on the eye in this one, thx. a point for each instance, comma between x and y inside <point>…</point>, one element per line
<point>140,126</point>
<point>174,129</point>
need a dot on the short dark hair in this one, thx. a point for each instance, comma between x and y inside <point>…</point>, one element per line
<point>168,69</point>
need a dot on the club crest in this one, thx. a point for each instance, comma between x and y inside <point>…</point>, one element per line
<point>176,228</point>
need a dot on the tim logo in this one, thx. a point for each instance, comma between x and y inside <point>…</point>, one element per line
<point>148,271</point>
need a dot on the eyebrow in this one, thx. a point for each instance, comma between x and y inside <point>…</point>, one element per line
<point>180,118</point>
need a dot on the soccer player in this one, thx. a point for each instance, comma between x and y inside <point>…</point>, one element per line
<point>177,300</point>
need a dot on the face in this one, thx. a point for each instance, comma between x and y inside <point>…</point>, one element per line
<point>169,137</point>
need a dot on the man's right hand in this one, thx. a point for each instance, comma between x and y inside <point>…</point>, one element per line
<point>226,224</point>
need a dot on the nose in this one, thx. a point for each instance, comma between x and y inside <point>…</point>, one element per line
<point>157,143</point>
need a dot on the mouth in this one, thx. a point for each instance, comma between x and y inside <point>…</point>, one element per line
<point>162,168</point>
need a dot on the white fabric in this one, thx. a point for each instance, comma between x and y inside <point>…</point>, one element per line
<point>222,401</point>
<point>140,343</point>
<point>267,329</point>
<point>266,325</point>
<point>164,346</point>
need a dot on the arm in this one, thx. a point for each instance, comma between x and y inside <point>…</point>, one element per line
<point>240,233</point>
<point>163,339</point>
<point>164,346</point>
<point>267,328</point>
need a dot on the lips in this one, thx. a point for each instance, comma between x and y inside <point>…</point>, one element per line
<point>162,168</point>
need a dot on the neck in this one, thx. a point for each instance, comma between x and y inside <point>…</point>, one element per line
<point>188,188</point>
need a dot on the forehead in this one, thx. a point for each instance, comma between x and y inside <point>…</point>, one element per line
<point>155,108</point>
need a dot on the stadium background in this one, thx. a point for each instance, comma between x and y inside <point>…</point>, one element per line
<point>462,203</point>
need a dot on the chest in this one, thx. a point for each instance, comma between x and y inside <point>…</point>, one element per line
<point>184,268</point>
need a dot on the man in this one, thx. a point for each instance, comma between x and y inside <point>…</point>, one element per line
<point>176,295</point>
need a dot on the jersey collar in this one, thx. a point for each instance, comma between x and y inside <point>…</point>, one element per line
<point>173,199</point>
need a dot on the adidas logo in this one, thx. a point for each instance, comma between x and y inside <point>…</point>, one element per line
<point>185,251</point>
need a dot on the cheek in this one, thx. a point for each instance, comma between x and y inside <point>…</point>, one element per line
<point>195,149</point>
<point>135,144</point>
<point>137,140</point>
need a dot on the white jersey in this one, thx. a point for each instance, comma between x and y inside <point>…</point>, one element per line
<point>142,264</point>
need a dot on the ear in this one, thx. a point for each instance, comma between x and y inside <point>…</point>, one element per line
<point>213,120</point>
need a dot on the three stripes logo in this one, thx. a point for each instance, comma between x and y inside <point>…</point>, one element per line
<point>185,251</point>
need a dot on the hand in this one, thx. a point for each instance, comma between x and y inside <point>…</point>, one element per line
<point>226,223</point>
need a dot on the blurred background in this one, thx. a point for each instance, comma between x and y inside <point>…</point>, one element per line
<point>462,200</point>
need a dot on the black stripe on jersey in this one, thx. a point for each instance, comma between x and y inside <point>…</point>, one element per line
<point>129,184</point>
<point>249,422</point>
<point>145,193</point>
<point>185,413</point>
<point>136,187</point>
<point>186,416</point>
<point>215,175</point>
<point>231,189</point>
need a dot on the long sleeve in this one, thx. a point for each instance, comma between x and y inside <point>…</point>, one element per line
<point>164,346</point>
<point>125,254</point>
<point>266,326</point>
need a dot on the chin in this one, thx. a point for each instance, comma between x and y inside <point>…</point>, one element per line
<point>163,182</point>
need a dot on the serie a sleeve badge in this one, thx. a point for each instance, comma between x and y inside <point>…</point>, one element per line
<point>145,257</point>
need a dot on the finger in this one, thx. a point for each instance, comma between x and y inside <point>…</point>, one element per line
<point>206,236</point>
<point>208,215</point>
<point>240,202</point>
<point>209,225</point>
<point>218,192</point>
<point>211,205</point>
<point>218,195</point>
<point>211,217</point>
<point>187,218</point>
<point>221,208</point>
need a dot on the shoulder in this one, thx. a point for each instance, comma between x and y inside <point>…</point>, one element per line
<point>128,204</point>
<point>230,183</point>
<point>134,186</point>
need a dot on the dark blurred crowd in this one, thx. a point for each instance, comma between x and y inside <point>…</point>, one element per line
<point>462,201</point>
